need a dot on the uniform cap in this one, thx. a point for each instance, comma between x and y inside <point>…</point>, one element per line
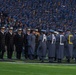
<point>36,30</point>
<point>52,31</point>
<point>59,30</point>
<point>11,28</point>
<point>2,27</point>
<point>20,29</point>
<point>43,30</point>
<point>28,29</point>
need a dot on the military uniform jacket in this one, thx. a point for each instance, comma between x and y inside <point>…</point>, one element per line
<point>25,39</point>
<point>42,46</point>
<point>19,40</point>
<point>60,50</point>
<point>51,45</point>
<point>69,45</point>
<point>9,39</point>
<point>2,41</point>
<point>31,44</point>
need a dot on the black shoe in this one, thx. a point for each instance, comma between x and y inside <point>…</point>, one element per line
<point>68,60</point>
<point>42,61</point>
<point>50,61</point>
<point>59,61</point>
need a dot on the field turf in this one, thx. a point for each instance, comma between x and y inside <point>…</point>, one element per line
<point>19,68</point>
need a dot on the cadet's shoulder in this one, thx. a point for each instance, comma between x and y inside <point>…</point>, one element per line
<point>57,35</point>
<point>49,36</point>
<point>40,36</point>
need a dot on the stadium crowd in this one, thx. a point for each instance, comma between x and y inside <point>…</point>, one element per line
<point>40,13</point>
<point>37,28</point>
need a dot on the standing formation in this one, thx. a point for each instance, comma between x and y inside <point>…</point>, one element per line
<point>33,44</point>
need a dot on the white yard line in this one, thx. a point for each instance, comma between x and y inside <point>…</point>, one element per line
<point>64,64</point>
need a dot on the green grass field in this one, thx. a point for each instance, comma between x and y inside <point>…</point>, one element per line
<point>17,68</point>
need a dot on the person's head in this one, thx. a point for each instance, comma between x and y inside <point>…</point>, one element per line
<point>2,29</point>
<point>33,32</point>
<point>43,31</point>
<point>68,31</point>
<point>36,31</point>
<point>11,29</point>
<point>19,31</point>
<point>60,31</point>
<point>28,31</point>
<point>51,31</point>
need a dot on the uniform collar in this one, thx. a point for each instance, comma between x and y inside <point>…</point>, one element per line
<point>10,33</point>
<point>2,32</point>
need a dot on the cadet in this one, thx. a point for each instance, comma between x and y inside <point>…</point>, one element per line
<point>10,43</point>
<point>31,44</point>
<point>51,46</point>
<point>26,44</point>
<point>74,51</point>
<point>36,43</point>
<point>42,45</point>
<point>19,43</point>
<point>69,45</point>
<point>2,42</point>
<point>60,50</point>
<point>28,38</point>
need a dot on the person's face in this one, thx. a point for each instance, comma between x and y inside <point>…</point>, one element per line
<point>19,32</point>
<point>28,32</point>
<point>11,31</point>
<point>36,32</point>
<point>68,31</point>
<point>43,32</point>
<point>2,30</point>
<point>33,32</point>
<point>63,33</point>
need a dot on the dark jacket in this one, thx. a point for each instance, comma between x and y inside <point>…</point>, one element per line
<point>2,41</point>
<point>19,40</point>
<point>9,39</point>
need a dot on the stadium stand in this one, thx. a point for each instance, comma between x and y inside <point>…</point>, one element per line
<point>43,14</point>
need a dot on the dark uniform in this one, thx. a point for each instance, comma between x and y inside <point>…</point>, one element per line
<point>69,45</point>
<point>51,46</point>
<point>42,46</point>
<point>36,45</point>
<point>26,45</point>
<point>10,43</point>
<point>2,43</point>
<point>19,44</point>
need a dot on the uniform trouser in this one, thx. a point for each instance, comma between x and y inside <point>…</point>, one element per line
<point>35,54</point>
<point>31,53</point>
<point>51,59</point>
<point>31,56</point>
<point>1,54</point>
<point>2,50</point>
<point>42,58</point>
<point>18,52</point>
<point>69,51</point>
<point>26,52</point>
<point>10,52</point>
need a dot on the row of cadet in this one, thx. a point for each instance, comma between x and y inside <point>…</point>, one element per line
<point>34,44</point>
